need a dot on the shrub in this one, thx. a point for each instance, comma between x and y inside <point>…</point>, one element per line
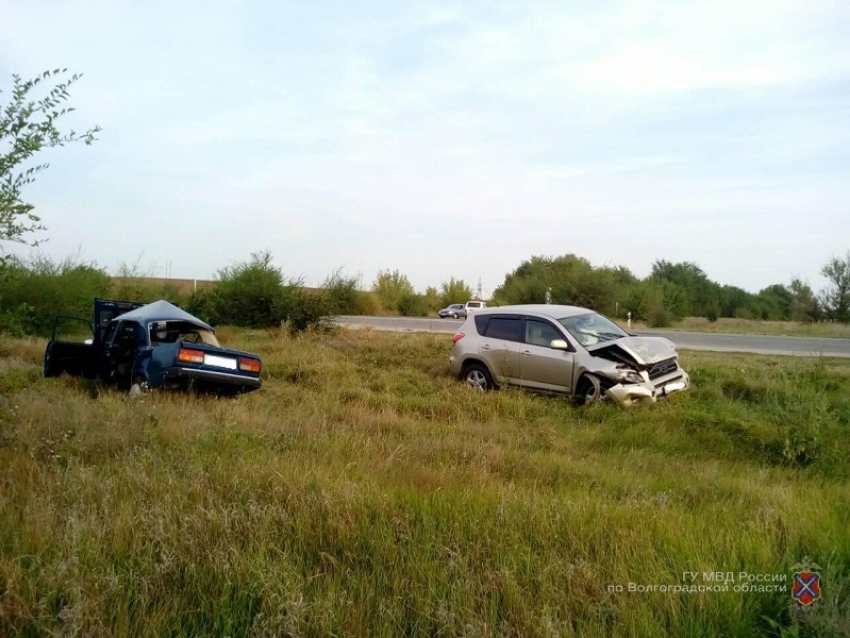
<point>255,294</point>
<point>659,317</point>
<point>249,294</point>
<point>134,283</point>
<point>412,305</point>
<point>432,299</point>
<point>454,291</point>
<point>33,292</point>
<point>389,286</point>
<point>367,303</point>
<point>341,294</point>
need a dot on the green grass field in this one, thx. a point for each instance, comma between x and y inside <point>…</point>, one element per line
<point>751,326</point>
<point>365,492</point>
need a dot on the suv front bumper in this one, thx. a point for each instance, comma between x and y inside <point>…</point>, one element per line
<point>650,391</point>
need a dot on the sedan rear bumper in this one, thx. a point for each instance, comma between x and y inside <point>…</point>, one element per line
<point>210,378</point>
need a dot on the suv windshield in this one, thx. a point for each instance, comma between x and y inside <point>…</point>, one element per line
<point>592,328</point>
<point>174,331</point>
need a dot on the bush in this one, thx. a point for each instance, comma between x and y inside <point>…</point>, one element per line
<point>255,294</point>
<point>454,291</point>
<point>133,283</point>
<point>390,286</point>
<point>659,317</point>
<point>412,305</point>
<point>432,299</point>
<point>341,294</point>
<point>34,292</point>
<point>367,304</point>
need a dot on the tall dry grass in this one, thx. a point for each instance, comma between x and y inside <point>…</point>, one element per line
<point>364,491</point>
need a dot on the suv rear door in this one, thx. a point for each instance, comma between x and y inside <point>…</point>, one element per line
<point>500,344</point>
<point>542,367</point>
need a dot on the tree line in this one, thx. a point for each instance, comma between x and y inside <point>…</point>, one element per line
<point>673,291</point>
<point>255,293</point>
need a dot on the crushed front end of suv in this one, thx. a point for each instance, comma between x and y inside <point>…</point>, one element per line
<point>150,346</point>
<point>566,350</point>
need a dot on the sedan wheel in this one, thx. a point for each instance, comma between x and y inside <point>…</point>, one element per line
<point>454,315</point>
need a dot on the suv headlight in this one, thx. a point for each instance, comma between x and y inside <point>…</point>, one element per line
<point>630,376</point>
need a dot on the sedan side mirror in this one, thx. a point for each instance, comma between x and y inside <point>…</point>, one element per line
<point>559,344</point>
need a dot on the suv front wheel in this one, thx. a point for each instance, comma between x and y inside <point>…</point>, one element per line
<point>589,391</point>
<point>478,377</point>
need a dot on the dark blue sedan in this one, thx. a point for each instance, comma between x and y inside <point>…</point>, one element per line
<point>156,345</point>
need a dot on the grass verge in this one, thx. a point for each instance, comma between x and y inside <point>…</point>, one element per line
<point>364,491</point>
<point>751,326</point>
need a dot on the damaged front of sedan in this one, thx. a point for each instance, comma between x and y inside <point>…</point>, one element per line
<point>566,350</point>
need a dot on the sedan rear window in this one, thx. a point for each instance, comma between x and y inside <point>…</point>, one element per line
<point>173,331</point>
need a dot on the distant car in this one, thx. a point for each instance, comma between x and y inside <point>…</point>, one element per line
<point>454,311</point>
<point>149,346</point>
<point>566,350</point>
<point>473,306</point>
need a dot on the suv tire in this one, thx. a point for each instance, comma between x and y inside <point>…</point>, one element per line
<point>478,377</point>
<point>589,390</point>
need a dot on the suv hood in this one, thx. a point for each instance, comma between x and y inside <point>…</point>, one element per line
<point>640,350</point>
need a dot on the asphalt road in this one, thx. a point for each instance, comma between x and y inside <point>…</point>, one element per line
<point>759,344</point>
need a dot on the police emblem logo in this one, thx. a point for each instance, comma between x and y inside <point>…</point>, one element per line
<point>807,584</point>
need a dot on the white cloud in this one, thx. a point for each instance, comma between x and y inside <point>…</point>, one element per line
<point>391,135</point>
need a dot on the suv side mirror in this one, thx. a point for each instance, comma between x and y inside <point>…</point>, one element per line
<point>559,344</point>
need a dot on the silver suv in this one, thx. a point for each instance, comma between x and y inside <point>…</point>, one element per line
<point>564,349</point>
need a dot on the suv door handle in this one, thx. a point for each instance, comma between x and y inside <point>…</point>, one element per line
<point>526,352</point>
<point>486,346</point>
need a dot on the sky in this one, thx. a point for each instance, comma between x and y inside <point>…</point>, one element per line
<point>445,139</point>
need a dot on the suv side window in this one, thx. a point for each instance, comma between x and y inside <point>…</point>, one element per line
<point>540,333</point>
<point>481,322</point>
<point>505,327</point>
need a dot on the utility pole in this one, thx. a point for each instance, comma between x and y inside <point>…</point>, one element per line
<point>479,293</point>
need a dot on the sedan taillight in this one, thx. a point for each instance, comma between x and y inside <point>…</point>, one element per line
<point>249,365</point>
<point>190,356</point>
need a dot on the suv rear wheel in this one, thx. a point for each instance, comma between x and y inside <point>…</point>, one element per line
<point>478,377</point>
